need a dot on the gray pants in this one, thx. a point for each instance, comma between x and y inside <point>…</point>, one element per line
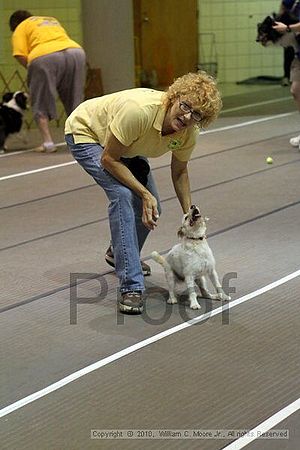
<point>61,73</point>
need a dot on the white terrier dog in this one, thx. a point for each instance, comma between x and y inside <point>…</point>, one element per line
<point>191,261</point>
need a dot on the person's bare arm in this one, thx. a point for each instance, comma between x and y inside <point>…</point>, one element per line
<point>22,60</point>
<point>180,178</point>
<point>282,27</point>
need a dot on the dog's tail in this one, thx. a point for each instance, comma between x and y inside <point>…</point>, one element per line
<point>163,262</point>
<point>159,259</point>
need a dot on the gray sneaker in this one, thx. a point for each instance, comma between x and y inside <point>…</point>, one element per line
<point>131,302</point>
<point>109,258</point>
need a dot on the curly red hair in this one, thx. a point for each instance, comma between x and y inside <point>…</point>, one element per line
<point>199,89</point>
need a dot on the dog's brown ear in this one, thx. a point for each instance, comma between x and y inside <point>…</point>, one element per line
<point>180,232</point>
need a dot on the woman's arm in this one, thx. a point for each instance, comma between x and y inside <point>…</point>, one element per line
<point>111,161</point>
<point>22,60</point>
<point>180,178</point>
<point>282,27</point>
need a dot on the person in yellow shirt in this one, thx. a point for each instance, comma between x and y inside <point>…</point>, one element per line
<point>112,138</point>
<point>55,64</point>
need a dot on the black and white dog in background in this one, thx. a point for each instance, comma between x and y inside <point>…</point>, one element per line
<point>267,35</point>
<point>11,114</point>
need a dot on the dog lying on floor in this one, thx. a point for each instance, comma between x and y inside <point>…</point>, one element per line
<point>191,261</point>
<point>267,35</point>
<point>11,114</point>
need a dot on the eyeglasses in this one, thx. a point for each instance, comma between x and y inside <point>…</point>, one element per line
<point>196,116</point>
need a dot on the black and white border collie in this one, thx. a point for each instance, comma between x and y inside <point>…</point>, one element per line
<point>11,114</point>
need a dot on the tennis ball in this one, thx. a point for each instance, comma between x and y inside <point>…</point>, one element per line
<point>269,160</point>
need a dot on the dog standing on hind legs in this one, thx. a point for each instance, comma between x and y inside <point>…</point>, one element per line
<point>191,261</point>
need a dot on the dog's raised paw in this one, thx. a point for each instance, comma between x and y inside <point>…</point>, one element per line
<point>172,301</point>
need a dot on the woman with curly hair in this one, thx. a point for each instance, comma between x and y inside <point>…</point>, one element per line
<point>112,138</point>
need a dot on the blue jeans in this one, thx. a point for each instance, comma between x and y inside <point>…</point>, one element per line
<point>128,233</point>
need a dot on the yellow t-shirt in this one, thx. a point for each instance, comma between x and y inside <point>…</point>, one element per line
<point>135,117</point>
<point>39,36</point>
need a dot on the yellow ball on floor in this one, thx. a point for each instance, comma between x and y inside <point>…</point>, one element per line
<point>269,160</point>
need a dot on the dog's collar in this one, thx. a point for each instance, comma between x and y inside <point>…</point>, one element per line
<point>196,239</point>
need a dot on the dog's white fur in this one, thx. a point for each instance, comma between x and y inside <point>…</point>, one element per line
<point>12,103</point>
<point>286,40</point>
<point>191,261</point>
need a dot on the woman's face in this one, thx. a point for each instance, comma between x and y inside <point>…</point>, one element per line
<point>181,115</point>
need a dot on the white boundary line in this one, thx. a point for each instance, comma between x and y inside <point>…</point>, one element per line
<point>19,152</point>
<point>216,130</point>
<point>245,124</point>
<point>127,351</point>
<point>42,169</point>
<point>251,105</point>
<point>265,426</point>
